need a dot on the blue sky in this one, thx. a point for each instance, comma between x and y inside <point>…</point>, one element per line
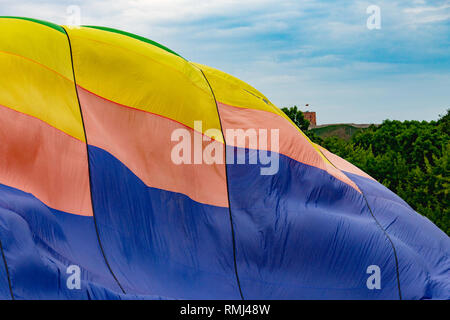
<point>297,51</point>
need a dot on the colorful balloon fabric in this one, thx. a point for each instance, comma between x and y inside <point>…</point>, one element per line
<point>89,188</point>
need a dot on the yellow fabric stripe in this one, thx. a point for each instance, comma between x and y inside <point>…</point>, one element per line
<point>235,92</point>
<point>36,42</point>
<point>37,77</point>
<point>142,76</point>
<point>36,91</point>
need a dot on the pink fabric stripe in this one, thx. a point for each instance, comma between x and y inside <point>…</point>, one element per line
<point>291,142</point>
<point>142,142</point>
<point>44,161</point>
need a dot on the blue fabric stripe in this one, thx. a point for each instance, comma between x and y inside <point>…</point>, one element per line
<point>160,242</point>
<point>302,234</point>
<point>40,243</point>
<point>5,293</point>
<point>423,249</point>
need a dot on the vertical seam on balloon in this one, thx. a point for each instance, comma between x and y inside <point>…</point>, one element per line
<point>380,226</point>
<point>89,168</point>
<point>7,271</point>
<point>390,240</point>
<point>228,192</point>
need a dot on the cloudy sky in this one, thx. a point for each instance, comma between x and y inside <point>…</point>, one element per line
<point>296,51</point>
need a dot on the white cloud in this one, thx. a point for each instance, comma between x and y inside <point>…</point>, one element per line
<point>418,10</point>
<point>428,14</point>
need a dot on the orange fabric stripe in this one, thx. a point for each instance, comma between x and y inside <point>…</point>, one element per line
<point>44,161</point>
<point>291,142</point>
<point>142,141</point>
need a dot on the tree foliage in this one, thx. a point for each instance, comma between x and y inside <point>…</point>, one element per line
<point>297,117</point>
<point>409,157</point>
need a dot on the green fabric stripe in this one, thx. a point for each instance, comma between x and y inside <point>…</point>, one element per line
<point>135,37</point>
<point>48,24</point>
